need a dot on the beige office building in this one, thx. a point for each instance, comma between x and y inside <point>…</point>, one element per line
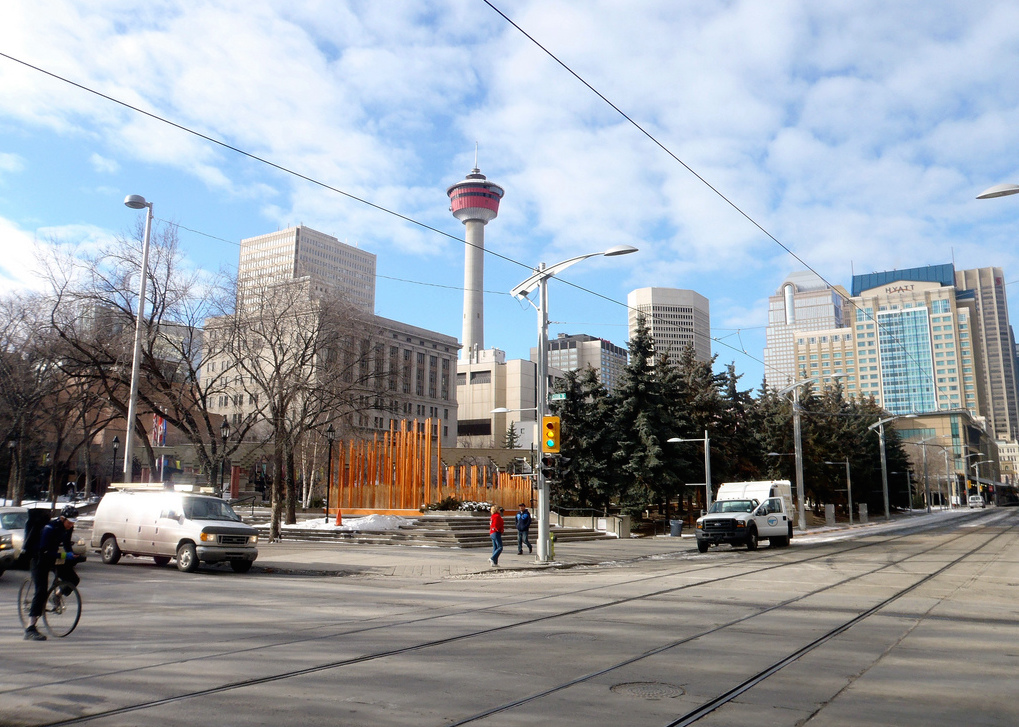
<point>577,352</point>
<point>298,252</point>
<point>676,318</point>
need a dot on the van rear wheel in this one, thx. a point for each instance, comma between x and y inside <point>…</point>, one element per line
<point>161,560</point>
<point>187,558</point>
<point>111,551</point>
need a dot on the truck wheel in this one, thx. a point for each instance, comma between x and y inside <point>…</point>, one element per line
<point>187,558</point>
<point>790,534</point>
<point>702,546</point>
<point>752,538</point>
<point>240,566</point>
<point>779,541</point>
<point>111,551</point>
<point>161,560</point>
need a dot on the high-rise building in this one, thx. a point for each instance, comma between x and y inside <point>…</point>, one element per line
<point>475,202</point>
<point>995,336</point>
<point>406,372</point>
<point>574,352</point>
<point>300,252</point>
<point>676,318</point>
<point>803,303</point>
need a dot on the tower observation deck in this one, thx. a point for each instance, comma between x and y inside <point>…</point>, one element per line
<point>474,201</point>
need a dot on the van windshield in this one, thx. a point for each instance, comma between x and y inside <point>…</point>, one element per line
<point>733,506</point>
<point>208,508</point>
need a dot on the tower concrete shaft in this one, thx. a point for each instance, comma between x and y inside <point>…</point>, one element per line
<point>474,201</point>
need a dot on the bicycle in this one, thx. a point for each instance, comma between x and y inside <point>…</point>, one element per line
<point>63,606</point>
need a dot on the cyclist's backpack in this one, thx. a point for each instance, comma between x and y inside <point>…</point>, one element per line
<point>38,518</point>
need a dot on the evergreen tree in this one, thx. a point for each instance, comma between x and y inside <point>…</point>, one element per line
<point>641,424</point>
<point>586,440</point>
<point>512,438</point>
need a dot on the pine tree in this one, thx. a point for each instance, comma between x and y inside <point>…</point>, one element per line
<point>586,440</point>
<point>512,438</point>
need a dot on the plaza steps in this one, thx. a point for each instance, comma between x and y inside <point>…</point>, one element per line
<point>437,531</point>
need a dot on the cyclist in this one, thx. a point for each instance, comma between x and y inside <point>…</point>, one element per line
<point>56,534</point>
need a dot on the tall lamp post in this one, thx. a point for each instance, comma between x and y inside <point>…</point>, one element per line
<point>976,468</point>
<point>880,424</point>
<point>849,487</point>
<point>224,433</point>
<point>707,464</point>
<point>137,202</point>
<point>330,436</point>
<point>801,508</point>
<point>539,280</point>
<point>116,446</point>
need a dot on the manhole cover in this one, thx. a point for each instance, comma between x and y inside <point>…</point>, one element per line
<point>570,637</point>
<point>648,690</point>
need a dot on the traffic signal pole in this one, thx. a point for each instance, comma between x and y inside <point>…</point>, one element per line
<point>542,410</point>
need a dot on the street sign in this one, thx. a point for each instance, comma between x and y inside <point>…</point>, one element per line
<point>558,397</point>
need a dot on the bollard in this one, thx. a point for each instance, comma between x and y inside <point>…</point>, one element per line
<point>829,515</point>
<point>551,546</point>
<point>863,513</point>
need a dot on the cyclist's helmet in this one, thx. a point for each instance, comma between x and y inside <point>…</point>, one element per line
<point>69,513</point>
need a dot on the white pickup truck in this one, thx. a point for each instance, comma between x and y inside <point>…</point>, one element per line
<point>744,513</point>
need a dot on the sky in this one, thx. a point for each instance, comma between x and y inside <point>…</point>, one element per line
<point>853,135</point>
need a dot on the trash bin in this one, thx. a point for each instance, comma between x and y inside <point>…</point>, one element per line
<point>675,528</point>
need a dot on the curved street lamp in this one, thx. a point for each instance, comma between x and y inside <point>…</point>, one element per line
<point>539,280</point>
<point>880,424</point>
<point>137,202</point>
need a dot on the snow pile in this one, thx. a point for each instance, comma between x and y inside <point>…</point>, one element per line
<point>366,524</point>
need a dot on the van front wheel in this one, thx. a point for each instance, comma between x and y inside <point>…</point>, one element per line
<point>111,551</point>
<point>187,558</point>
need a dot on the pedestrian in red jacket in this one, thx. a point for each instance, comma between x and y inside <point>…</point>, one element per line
<point>495,528</point>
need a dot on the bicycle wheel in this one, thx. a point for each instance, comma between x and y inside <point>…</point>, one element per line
<point>63,609</point>
<point>25,601</point>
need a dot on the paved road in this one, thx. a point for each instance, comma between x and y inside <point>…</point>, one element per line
<point>914,626</point>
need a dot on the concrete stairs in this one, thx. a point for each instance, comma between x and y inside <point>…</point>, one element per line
<point>437,531</point>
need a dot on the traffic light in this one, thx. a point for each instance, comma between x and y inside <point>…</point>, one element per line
<point>550,441</point>
<point>548,466</point>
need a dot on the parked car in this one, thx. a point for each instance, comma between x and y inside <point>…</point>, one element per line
<point>6,550</point>
<point>977,501</point>
<point>14,519</point>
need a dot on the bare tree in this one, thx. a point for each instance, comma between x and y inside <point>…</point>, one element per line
<point>304,360</point>
<point>94,311</point>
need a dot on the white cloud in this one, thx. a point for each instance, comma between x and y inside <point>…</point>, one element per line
<point>11,163</point>
<point>103,165</point>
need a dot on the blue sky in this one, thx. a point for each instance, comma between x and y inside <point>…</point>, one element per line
<point>857,134</point>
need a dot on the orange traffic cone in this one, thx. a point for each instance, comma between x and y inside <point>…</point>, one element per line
<point>339,517</point>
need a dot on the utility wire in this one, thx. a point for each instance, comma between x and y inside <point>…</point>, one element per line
<point>386,210</point>
<point>708,184</point>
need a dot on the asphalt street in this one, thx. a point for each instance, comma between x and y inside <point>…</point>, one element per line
<point>910,623</point>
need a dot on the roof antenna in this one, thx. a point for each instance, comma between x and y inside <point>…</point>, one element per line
<point>475,155</point>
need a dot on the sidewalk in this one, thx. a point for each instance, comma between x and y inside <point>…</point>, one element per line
<point>352,559</point>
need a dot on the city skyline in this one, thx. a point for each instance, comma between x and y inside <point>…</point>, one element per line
<point>860,147</point>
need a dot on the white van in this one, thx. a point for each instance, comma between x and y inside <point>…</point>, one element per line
<point>166,524</point>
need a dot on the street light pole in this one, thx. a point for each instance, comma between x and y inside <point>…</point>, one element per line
<point>884,461</point>
<point>330,436</point>
<point>224,432</point>
<point>539,280</point>
<point>137,202</point>
<point>116,446</point>
<point>707,464</point>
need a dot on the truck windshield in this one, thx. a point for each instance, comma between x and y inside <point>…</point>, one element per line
<point>733,506</point>
<point>208,508</point>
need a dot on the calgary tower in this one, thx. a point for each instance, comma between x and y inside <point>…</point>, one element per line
<point>474,201</point>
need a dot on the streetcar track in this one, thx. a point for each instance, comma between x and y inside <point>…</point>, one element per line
<point>679,642</point>
<point>498,606</point>
<point>256,681</point>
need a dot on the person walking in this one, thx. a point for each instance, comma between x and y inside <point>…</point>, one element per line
<point>495,530</point>
<point>523,518</point>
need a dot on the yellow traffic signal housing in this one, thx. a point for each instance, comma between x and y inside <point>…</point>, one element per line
<point>550,441</point>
